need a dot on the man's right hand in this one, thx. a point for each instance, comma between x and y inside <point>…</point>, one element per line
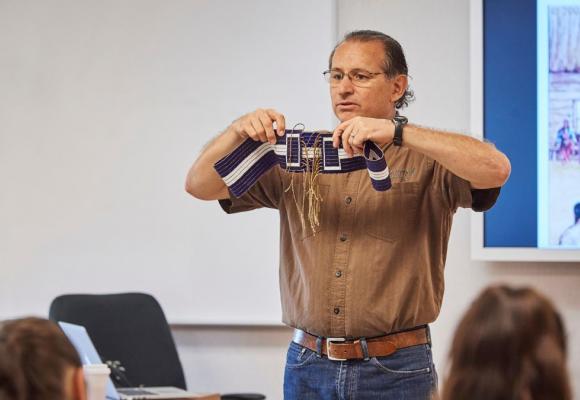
<point>259,125</point>
<point>202,180</point>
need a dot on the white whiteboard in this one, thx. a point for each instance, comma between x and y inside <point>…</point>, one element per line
<point>103,108</point>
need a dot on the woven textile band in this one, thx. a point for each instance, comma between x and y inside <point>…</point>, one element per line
<point>295,152</point>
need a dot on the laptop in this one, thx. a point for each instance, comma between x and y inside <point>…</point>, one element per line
<point>81,340</point>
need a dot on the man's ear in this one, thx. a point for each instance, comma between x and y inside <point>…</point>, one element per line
<point>400,84</point>
<point>79,387</point>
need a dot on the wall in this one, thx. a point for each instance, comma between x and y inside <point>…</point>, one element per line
<point>103,108</point>
<point>435,36</point>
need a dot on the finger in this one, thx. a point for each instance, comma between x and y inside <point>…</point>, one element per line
<point>280,121</point>
<point>268,127</point>
<point>355,139</point>
<point>351,139</point>
<point>352,131</point>
<point>337,134</point>
<point>250,132</point>
<point>345,140</point>
<point>358,150</point>
<point>259,128</point>
<point>358,138</point>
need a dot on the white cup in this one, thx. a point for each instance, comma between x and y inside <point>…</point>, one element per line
<point>96,377</point>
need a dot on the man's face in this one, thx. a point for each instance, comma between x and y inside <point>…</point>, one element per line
<point>377,100</point>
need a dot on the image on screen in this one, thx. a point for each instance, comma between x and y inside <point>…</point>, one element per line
<point>526,101</point>
<point>558,123</point>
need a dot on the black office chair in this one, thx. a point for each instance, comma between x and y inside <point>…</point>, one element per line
<point>130,329</point>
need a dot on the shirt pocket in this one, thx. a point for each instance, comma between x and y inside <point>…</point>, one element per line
<point>294,202</point>
<point>391,214</point>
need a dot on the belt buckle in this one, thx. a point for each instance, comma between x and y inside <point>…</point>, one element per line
<point>329,341</point>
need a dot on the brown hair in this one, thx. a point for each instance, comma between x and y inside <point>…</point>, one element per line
<point>510,345</point>
<point>395,62</point>
<point>34,356</point>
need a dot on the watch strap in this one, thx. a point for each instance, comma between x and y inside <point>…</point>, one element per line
<point>399,122</point>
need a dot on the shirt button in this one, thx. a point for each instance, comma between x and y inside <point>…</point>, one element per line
<point>343,237</point>
<point>338,274</point>
<point>336,310</point>
<point>348,200</point>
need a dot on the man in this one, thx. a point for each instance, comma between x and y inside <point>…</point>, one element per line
<point>571,236</point>
<point>38,362</point>
<point>361,289</point>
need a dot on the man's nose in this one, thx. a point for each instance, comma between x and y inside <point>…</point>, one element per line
<point>345,86</point>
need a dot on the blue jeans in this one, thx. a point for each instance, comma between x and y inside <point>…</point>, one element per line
<point>407,374</point>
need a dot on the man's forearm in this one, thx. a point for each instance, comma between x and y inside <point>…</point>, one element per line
<point>471,159</point>
<point>203,182</point>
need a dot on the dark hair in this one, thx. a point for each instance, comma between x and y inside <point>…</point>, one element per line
<point>509,345</point>
<point>34,356</point>
<point>576,212</point>
<point>394,63</point>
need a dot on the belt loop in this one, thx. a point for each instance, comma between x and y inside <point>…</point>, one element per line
<point>319,346</point>
<point>365,348</point>
<point>428,331</point>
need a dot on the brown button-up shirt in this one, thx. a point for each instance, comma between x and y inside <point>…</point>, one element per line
<point>375,264</point>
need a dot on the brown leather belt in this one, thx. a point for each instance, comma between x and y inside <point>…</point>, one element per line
<point>340,349</point>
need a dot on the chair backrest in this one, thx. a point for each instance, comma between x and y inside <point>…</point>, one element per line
<point>127,327</point>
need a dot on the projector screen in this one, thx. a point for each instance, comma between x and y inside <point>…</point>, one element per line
<point>525,77</point>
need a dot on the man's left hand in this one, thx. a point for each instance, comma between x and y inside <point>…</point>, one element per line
<point>354,132</point>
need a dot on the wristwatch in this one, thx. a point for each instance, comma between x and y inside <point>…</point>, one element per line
<point>399,122</point>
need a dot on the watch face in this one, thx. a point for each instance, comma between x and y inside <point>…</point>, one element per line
<point>400,119</point>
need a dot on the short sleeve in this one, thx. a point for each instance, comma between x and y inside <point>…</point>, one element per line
<point>454,191</point>
<point>457,192</point>
<point>484,199</point>
<point>266,192</point>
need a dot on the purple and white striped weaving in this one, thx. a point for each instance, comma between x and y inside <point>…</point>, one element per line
<point>293,152</point>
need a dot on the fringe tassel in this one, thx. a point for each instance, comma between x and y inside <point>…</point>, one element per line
<point>310,187</point>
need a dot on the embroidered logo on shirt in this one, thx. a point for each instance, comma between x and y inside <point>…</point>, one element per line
<point>402,174</point>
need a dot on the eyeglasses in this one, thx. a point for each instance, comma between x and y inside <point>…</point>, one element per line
<point>358,77</point>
